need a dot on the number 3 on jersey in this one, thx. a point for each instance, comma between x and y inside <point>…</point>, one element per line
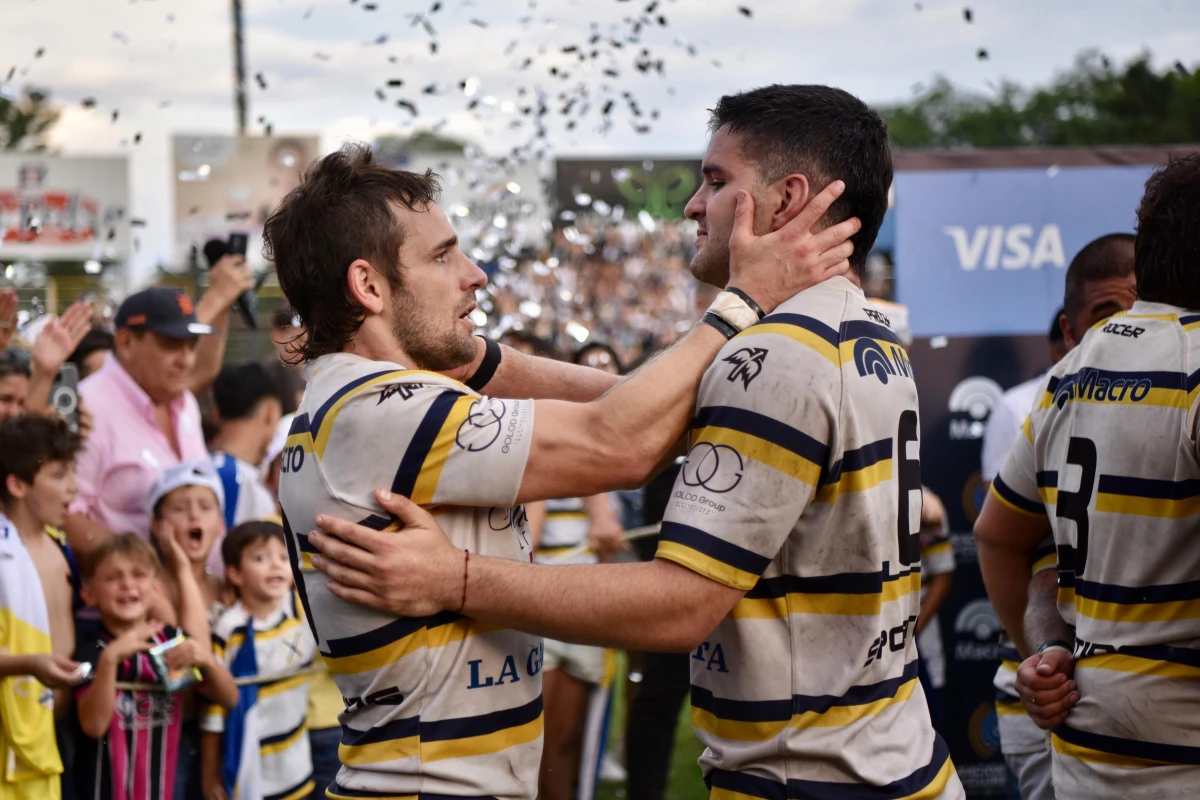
<point>1081,453</point>
<point>909,480</point>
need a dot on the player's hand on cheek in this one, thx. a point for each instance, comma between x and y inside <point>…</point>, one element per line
<point>413,572</point>
<point>776,266</point>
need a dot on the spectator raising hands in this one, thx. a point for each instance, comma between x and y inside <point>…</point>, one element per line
<point>53,346</point>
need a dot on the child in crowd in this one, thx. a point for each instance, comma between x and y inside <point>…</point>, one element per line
<point>186,505</point>
<point>262,750</point>
<point>131,736</point>
<point>37,574</point>
<point>186,517</point>
<point>248,408</point>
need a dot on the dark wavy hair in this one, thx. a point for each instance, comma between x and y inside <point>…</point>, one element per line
<point>341,211</point>
<point>825,134</point>
<point>1166,252</point>
<point>30,441</point>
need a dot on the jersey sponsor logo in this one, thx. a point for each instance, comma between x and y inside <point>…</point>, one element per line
<point>1121,329</point>
<point>390,696</point>
<point>405,390</point>
<point>483,425</point>
<point>715,467</point>
<point>878,316</point>
<point>979,620</point>
<point>975,396</point>
<point>509,672</point>
<point>1090,384</point>
<point>292,458</point>
<point>712,656</point>
<point>870,358</point>
<point>893,640</point>
<point>1007,247</point>
<point>748,364</point>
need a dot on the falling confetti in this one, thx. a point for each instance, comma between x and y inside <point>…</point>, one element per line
<point>478,22</point>
<point>968,16</point>
<point>262,82</point>
<point>137,138</point>
<point>746,12</point>
<point>88,102</point>
<point>982,55</point>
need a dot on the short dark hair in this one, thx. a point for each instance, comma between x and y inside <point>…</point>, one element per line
<point>341,211</point>
<point>1168,235</point>
<point>824,133</point>
<point>130,545</point>
<point>604,346</point>
<point>239,388</point>
<point>1056,335</point>
<point>29,441</point>
<point>1100,259</point>
<point>15,361</point>
<point>245,535</point>
<point>96,339</point>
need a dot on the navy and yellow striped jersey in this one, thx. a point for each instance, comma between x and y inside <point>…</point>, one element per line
<point>802,488</point>
<point>440,705</point>
<point>566,527</point>
<point>1110,456</point>
<point>283,648</point>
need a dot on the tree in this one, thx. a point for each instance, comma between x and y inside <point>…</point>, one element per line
<point>1093,103</point>
<point>25,121</point>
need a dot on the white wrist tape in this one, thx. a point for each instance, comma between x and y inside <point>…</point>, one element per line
<point>733,309</point>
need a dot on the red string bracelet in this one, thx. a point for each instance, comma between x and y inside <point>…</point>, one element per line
<point>466,564</point>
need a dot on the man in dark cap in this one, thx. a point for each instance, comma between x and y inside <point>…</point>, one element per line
<point>146,418</point>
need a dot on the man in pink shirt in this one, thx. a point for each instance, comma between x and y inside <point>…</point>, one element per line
<point>145,418</point>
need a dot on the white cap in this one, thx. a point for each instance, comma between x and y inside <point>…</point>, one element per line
<point>279,438</point>
<point>197,472</point>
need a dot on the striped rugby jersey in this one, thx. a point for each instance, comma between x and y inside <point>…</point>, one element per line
<point>440,705</point>
<point>1018,732</point>
<point>565,528</point>
<point>282,646</point>
<point>1110,456</point>
<point>803,489</point>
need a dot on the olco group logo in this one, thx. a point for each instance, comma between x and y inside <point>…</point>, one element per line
<point>971,402</point>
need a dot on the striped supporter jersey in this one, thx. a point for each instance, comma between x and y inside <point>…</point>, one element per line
<point>803,489</point>
<point>1109,456</point>
<point>565,528</point>
<point>283,649</point>
<point>441,705</point>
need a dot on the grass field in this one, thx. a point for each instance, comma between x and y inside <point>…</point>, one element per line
<point>683,781</point>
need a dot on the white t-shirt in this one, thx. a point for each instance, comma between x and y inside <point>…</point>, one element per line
<point>1003,423</point>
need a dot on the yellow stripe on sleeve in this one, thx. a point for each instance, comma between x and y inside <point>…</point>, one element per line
<point>706,565</point>
<point>431,470</point>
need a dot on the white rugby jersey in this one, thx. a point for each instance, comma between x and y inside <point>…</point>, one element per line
<point>1110,456</point>
<point>566,527</point>
<point>282,645</point>
<point>440,705</point>
<point>803,488</point>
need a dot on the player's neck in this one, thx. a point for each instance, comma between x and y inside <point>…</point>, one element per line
<point>376,342</point>
<point>30,529</point>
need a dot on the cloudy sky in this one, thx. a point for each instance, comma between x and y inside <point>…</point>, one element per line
<point>166,65</point>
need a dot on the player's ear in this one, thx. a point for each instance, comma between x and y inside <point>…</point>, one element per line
<point>365,285</point>
<point>787,198</point>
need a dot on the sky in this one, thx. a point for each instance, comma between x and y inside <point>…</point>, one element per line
<point>167,66</point>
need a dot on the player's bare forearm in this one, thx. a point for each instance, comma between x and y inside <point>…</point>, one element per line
<point>1005,541</point>
<point>522,377</point>
<point>617,441</point>
<point>1043,622</point>
<point>656,605</point>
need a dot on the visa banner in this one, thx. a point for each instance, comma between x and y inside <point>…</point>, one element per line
<point>985,252</point>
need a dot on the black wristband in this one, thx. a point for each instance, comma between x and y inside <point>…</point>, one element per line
<point>1063,643</point>
<point>723,327</point>
<point>748,300</point>
<point>491,360</point>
